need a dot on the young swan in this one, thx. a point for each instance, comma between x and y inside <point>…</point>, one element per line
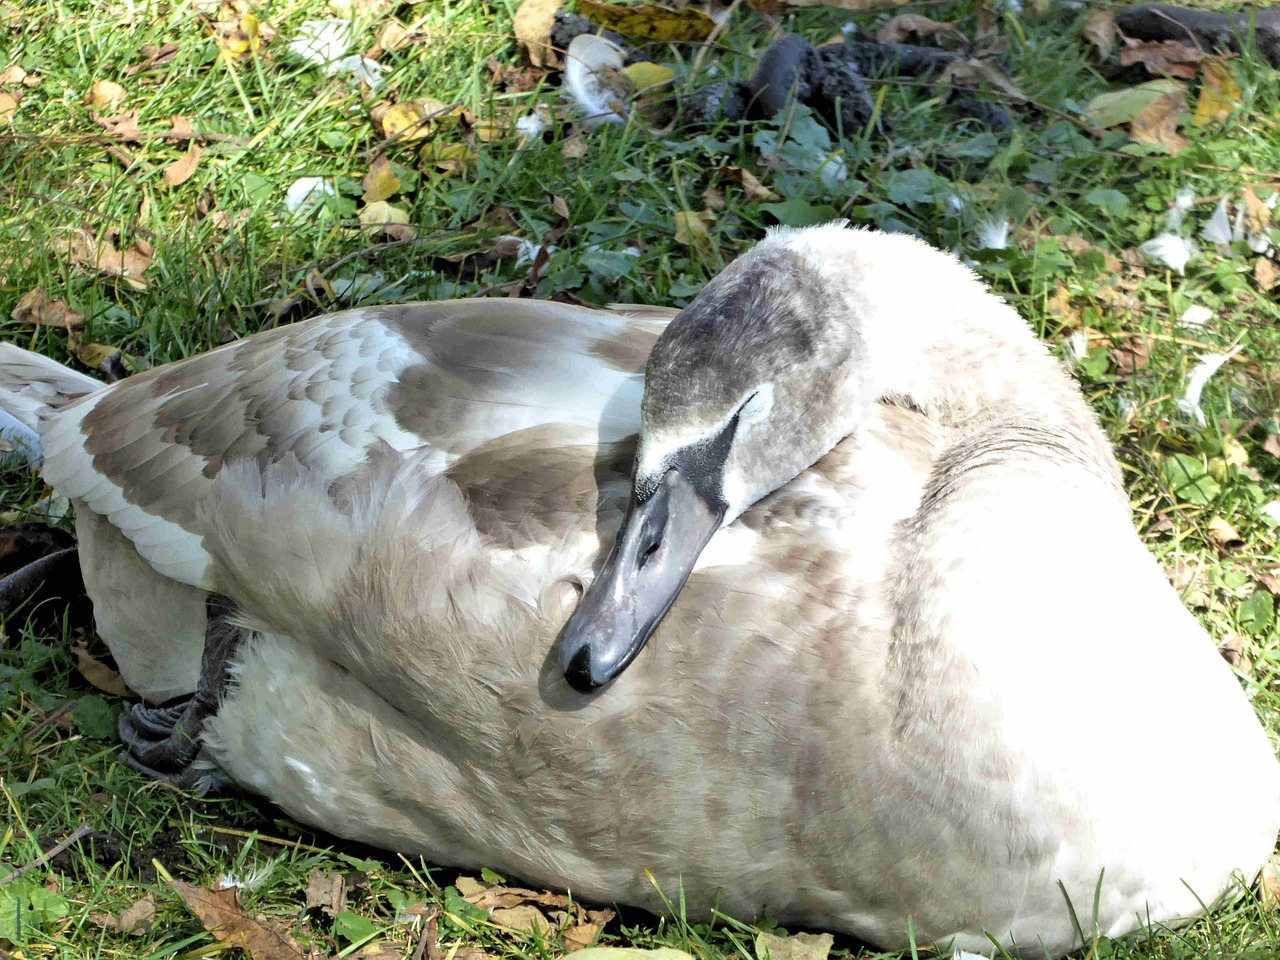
<point>775,362</point>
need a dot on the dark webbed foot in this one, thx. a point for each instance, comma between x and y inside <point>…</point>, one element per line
<point>163,742</point>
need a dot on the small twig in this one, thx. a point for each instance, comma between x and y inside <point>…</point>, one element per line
<point>80,833</point>
<point>1168,338</point>
<point>251,835</point>
<point>87,211</point>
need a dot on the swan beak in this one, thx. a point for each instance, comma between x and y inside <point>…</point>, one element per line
<point>654,554</point>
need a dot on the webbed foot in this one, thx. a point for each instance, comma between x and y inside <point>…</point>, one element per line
<point>164,742</point>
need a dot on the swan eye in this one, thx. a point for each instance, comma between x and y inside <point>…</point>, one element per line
<point>757,406</point>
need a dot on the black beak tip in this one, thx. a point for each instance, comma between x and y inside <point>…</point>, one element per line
<point>578,672</point>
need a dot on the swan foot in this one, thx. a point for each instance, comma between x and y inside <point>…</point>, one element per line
<point>164,742</point>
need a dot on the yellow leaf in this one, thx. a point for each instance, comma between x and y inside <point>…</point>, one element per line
<point>8,106</point>
<point>691,230</point>
<point>414,119</point>
<point>446,158</point>
<point>533,23</point>
<point>1158,123</point>
<point>390,220</point>
<point>380,182</point>
<point>1219,93</point>
<point>649,21</point>
<point>645,74</point>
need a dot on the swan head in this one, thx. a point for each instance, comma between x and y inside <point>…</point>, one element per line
<point>747,387</point>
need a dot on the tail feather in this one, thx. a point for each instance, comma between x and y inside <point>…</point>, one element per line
<point>32,389</point>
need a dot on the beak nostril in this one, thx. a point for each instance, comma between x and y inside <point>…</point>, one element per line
<point>578,673</point>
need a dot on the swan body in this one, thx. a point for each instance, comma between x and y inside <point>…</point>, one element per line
<point>875,699</point>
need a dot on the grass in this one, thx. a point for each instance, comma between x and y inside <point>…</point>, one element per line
<point>226,260</point>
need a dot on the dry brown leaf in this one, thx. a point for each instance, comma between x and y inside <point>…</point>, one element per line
<point>650,21</point>
<point>1224,534</point>
<point>573,148</point>
<point>8,106</point>
<point>756,191</point>
<point>471,953</point>
<point>12,75</point>
<point>1100,29</point>
<point>1130,355</point>
<point>124,126</point>
<point>38,308</point>
<point>183,169</point>
<point>1232,649</point>
<point>221,914</point>
<point>153,56</point>
<point>1058,306</point>
<point>1219,92</point>
<point>906,25</point>
<point>856,5</point>
<point>1162,58</point>
<point>97,672</point>
<point>972,72</point>
<point>1269,582</point>
<point>583,933</point>
<point>533,23</point>
<point>361,9</point>
<point>381,182</point>
<point>181,125</point>
<point>1265,273</point>
<point>105,95</point>
<point>1158,123</point>
<point>134,920</point>
<point>714,199</point>
<point>1269,880</point>
<point>326,892</point>
<point>523,918</point>
<point>1257,215</point>
<point>393,37</point>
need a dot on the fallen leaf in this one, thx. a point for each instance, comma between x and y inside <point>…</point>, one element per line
<point>361,9</point>
<point>1219,93</point>
<point>38,308</point>
<point>124,126</point>
<point>524,918</point>
<point>649,21</point>
<point>8,106</point>
<point>1158,123</point>
<point>1265,273</point>
<point>129,265</point>
<point>105,95</point>
<point>906,25</point>
<point>1058,306</point>
<point>1079,245</point>
<point>393,37</point>
<point>583,933</point>
<point>96,356</point>
<point>972,72</point>
<point>1269,880</point>
<point>1232,649</point>
<point>415,119</point>
<point>181,126</point>
<point>389,220</point>
<point>326,892</point>
<point>855,5</point>
<point>97,672</point>
<point>1257,215</point>
<point>801,946</point>
<point>1224,534</point>
<point>221,914</point>
<point>445,158</point>
<point>756,191</point>
<point>154,57</point>
<point>1167,58</point>
<point>381,182</point>
<point>134,920</point>
<point>182,169</point>
<point>1131,355</point>
<point>691,230</point>
<point>644,75</point>
<point>1121,106</point>
<point>533,22</point>
<point>12,75</point>
<point>573,148</point>
<point>1100,29</point>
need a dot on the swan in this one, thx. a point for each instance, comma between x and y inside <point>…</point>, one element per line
<point>775,602</point>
